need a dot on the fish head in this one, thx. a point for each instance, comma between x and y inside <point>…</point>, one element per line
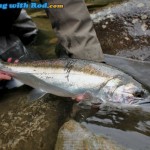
<point>131,93</point>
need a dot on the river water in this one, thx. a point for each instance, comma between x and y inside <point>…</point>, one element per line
<point>130,128</point>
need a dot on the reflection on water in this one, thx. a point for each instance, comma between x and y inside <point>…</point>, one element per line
<point>131,128</point>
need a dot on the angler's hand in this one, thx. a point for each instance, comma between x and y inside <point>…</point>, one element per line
<point>4,76</point>
<point>9,60</point>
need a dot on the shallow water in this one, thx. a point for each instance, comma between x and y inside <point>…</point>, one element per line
<point>130,128</point>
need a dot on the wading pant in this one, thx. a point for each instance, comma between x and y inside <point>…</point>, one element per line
<point>22,31</point>
<point>74,29</point>
<point>72,25</point>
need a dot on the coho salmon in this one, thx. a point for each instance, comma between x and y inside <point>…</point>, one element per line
<point>87,81</point>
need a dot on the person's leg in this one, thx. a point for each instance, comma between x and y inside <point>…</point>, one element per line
<point>22,33</point>
<point>12,44</point>
<point>12,47</point>
<point>25,28</point>
<point>74,29</point>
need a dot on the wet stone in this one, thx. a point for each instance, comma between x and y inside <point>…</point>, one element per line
<point>74,136</point>
<point>136,54</point>
<point>127,29</point>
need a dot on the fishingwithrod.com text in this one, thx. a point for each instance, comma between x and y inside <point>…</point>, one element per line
<point>33,5</point>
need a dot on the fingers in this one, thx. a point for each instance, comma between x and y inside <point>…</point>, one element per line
<point>4,77</point>
<point>81,97</point>
<point>16,61</point>
<point>9,60</point>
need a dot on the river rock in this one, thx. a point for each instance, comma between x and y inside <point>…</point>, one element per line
<point>124,29</point>
<point>98,3</point>
<point>74,136</point>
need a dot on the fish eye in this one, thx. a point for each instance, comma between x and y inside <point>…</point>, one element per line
<point>138,94</point>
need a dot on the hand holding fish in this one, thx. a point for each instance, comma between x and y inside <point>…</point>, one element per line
<point>4,76</point>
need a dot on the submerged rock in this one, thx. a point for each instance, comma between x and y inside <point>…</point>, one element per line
<point>74,136</point>
<point>124,28</point>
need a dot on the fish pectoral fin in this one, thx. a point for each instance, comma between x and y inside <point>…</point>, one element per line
<point>36,82</point>
<point>14,83</point>
<point>36,94</point>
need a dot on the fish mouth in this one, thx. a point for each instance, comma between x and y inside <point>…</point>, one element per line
<point>143,102</point>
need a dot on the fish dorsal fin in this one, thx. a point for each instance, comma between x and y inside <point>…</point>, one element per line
<point>140,70</point>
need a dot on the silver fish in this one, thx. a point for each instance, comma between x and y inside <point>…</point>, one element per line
<point>92,83</point>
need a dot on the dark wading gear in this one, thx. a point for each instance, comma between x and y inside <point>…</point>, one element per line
<point>22,31</point>
<point>74,29</point>
<point>72,25</point>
